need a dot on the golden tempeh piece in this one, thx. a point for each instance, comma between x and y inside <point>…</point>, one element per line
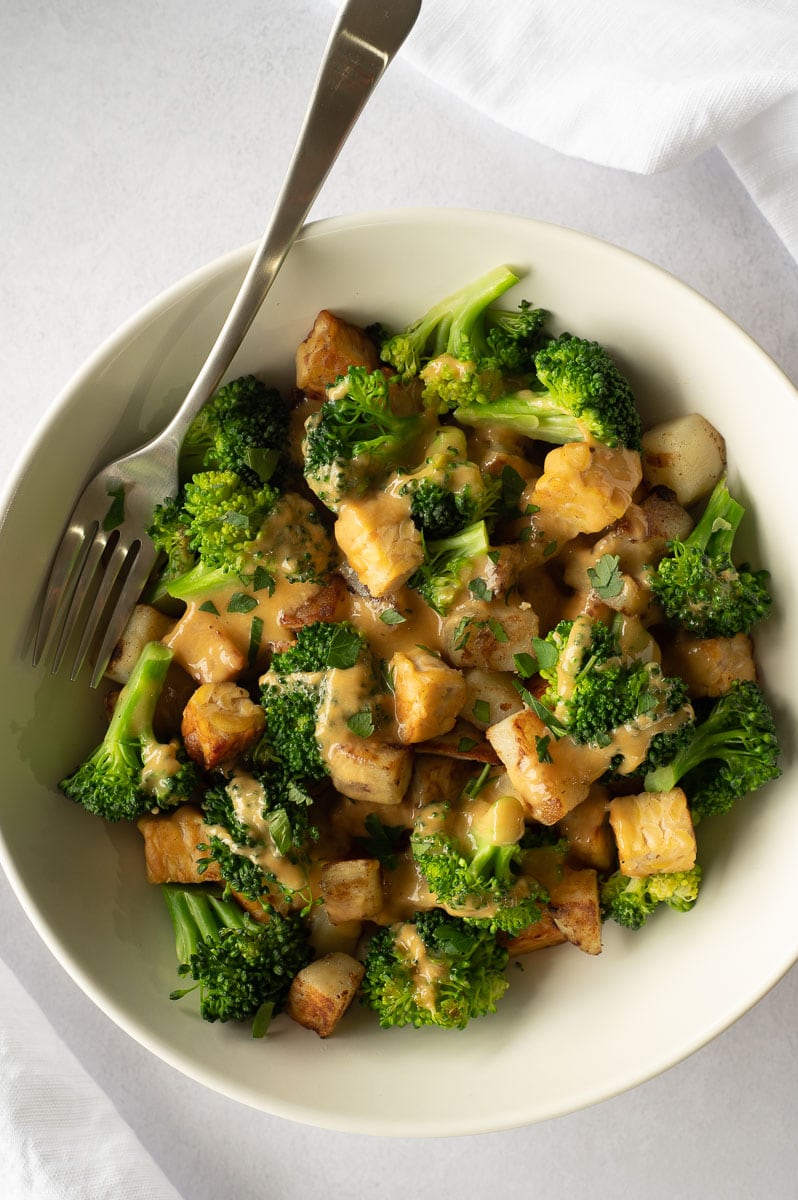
<point>380,541</point>
<point>428,694</point>
<point>170,847</point>
<point>654,832</point>
<point>220,723</point>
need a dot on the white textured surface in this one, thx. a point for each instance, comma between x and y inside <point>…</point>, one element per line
<point>142,141</point>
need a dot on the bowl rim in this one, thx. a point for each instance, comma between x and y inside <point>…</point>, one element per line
<point>373,1125</point>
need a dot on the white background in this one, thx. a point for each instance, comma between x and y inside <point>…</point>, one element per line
<point>142,139</point>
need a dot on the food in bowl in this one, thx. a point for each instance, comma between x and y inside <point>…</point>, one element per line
<point>438,669</point>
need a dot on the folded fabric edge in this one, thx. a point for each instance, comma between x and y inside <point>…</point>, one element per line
<point>61,1137</point>
<point>764,156</point>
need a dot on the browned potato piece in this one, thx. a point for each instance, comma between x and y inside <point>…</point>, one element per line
<point>654,832</point>
<point>146,624</point>
<point>709,666</point>
<point>203,649</point>
<point>325,937</point>
<point>686,455</point>
<point>330,349</point>
<point>324,605</point>
<point>490,697</point>
<point>322,992</point>
<point>366,769</point>
<point>539,936</point>
<point>352,889</point>
<point>220,723</point>
<point>574,907</point>
<point>487,635</point>
<point>434,779</point>
<point>380,540</point>
<point>548,789</point>
<point>428,694</point>
<point>170,847</point>
<point>587,828</point>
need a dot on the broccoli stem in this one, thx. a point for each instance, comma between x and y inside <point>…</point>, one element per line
<point>198,916</point>
<point>135,707</point>
<point>714,533</point>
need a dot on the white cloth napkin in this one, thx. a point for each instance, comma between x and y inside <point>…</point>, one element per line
<point>60,1136</point>
<point>642,85</point>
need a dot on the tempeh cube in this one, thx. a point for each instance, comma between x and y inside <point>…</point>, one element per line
<point>428,694</point>
<point>654,832</point>
<point>380,540</point>
<point>220,723</point>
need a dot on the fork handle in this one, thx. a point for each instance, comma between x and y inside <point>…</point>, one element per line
<point>366,36</point>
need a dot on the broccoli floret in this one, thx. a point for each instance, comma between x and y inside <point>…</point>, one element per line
<point>243,428</point>
<point>697,584</point>
<point>630,902</point>
<point>585,396</point>
<point>292,690</point>
<point>454,326</point>
<point>436,970</point>
<point>282,826</point>
<point>131,772</point>
<point>477,870</point>
<point>514,338</point>
<point>356,437</point>
<point>734,751</point>
<point>210,532</point>
<point>606,690</point>
<point>242,968</point>
<point>446,561</point>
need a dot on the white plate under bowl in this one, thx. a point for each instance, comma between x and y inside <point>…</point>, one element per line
<point>572,1030</point>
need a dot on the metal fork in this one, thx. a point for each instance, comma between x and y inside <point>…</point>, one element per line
<point>104,556</point>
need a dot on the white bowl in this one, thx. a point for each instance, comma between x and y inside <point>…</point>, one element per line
<point>572,1030</point>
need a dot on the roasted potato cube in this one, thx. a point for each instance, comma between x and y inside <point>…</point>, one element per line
<point>367,769</point>
<point>490,697</point>
<point>487,635</point>
<point>543,933</point>
<point>380,541</point>
<point>220,722</point>
<point>326,938</point>
<point>204,649</point>
<point>548,789</point>
<point>686,455</point>
<point>709,666</point>
<point>170,847</point>
<point>654,832</point>
<point>352,889</point>
<point>428,694</point>
<point>575,909</point>
<point>322,992</point>
<point>434,779</point>
<point>587,829</point>
<point>146,624</point>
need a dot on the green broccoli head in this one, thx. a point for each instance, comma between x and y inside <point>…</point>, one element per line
<point>436,970</point>
<point>441,510</point>
<point>243,428</point>
<point>131,772</point>
<point>472,865</point>
<point>455,326</point>
<point>697,584</point>
<point>583,397</point>
<point>240,966</point>
<point>732,752</point>
<point>224,516</point>
<point>630,902</point>
<point>447,562</point>
<point>356,437</point>
<point>514,338</point>
<point>594,690</point>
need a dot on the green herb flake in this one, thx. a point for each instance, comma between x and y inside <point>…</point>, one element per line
<point>481,711</point>
<point>263,462</point>
<point>525,665</point>
<point>241,602</point>
<point>542,747</point>
<point>344,648</point>
<point>263,581</point>
<point>116,512</point>
<point>480,590</point>
<point>498,630</point>
<point>512,487</point>
<point>255,637</point>
<point>549,550</point>
<point>236,519</point>
<point>462,633</point>
<point>475,785</point>
<point>545,653</point>
<point>466,744</point>
<point>382,841</point>
<point>392,617</point>
<point>209,607</point>
<point>606,578</point>
<point>361,723</point>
